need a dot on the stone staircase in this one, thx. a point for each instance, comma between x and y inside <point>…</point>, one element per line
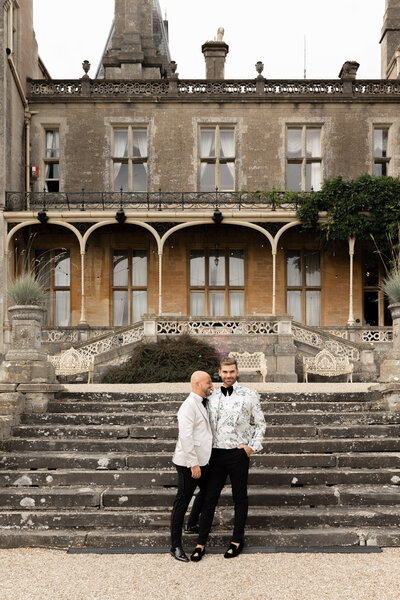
<point>95,471</point>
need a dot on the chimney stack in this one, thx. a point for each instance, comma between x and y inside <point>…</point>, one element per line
<point>215,55</point>
<point>390,39</point>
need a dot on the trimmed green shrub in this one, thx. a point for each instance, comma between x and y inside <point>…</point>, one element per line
<point>170,359</point>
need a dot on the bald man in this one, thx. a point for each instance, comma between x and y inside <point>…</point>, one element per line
<point>191,456</point>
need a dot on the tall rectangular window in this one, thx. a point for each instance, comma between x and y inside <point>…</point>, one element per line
<point>303,159</point>
<point>375,304</point>
<point>303,281</point>
<point>52,160</point>
<point>53,269</point>
<point>130,159</point>
<point>129,286</point>
<point>217,282</point>
<point>217,159</point>
<point>381,152</point>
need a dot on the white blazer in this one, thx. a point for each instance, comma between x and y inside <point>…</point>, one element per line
<point>195,438</point>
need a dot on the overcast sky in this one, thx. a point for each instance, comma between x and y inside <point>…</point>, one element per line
<point>269,30</point>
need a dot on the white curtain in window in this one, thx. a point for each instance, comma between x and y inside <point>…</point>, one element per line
<point>236,304</point>
<point>120,302</point>
<point>139,305</point>
<point>197,268</point>
<point>227,138</point>
<point>294,143</point>
<point>62,309</point>
<point>120,143</point>
<point>313,271</point>
<point>313,176</point>
<point>207,143</point>
<point>216,268</point>
<point>52,143</point>
<point>217,304</point>
<point>120,268</point>
<point>293,268</point>
<point>62,269</point>
<point>313,307</point>
<point>313,142</point>
<point>139,268</point>
<point>197,304</point>
<point>236,268</point>
<point>294,304</point>
<point>140,143</point>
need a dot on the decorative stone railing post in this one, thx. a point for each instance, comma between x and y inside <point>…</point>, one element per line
<point>390,368</point>
<point>285,351</point>
<point>150,328</point>
<point>27,379</point>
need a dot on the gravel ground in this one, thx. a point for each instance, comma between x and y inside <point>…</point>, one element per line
<point>35,574</point>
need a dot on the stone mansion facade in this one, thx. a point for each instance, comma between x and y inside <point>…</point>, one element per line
<point>137,192</point>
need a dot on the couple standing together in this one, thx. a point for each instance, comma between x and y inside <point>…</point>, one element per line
<point>218,431</point>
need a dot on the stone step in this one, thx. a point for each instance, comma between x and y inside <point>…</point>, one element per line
<point>281,446</point>
<point>159,460</point>
<point>258,518</point>
<point>172,407</point>
<point>42,498</point>
<point>167,477</point>
<point>171,431</point>
<point>121,419</point>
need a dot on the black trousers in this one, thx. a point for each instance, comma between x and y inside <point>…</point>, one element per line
<point>234,463</point>
<point>186,487</point>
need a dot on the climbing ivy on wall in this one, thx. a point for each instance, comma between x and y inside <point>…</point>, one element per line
<point>358,208</point>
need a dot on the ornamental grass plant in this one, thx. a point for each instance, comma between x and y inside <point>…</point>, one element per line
<point>171,359</point>
<point>391,284</point>
<point>27,290</point>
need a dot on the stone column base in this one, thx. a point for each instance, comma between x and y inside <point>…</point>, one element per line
<point>38,395</point>
<point>391,396</point>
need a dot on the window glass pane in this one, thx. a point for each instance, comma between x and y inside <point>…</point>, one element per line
<point>139,305</point>
<point>294,304</point>
<point>120,268</point>
<point>313,176</point>
<point>52,171</point>
<point>216,268</point>
<point>52,186</point>
<point>217,304</point>
<point>380,142</point>
<point>120,143</point>
<point>120,305</point>
<point>140,177</point>
<point>294,143</point>
<point>197,268</point>
<point>313,307</point>
<point>139,268</point>
<point>207,177</point>
<point>121,177</point>
<point>42,267</point>
<point>52,143</point>
<point>370,269</point>
<point>207,143</point>
<point>294,177</point>
<point>313,142</point>
<point>46,315</point>
<point>380,169</point>
<point>62,309</point>
<point>293,265</point>
<point>313,271</point>
<point>227,140</point>
<point>62,268</point>
<point>236,267</point>
<point>197,304</point>
<point>139,142</point>
<point>236,304</point>
<point>227,176</point>
<point>371,308</point>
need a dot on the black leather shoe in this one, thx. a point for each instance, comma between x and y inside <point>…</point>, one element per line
<point>179,554</point>
<point>197,554</point>
<point>191,529</point>
<point>233,550</point>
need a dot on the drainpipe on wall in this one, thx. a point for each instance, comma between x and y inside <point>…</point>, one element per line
<point>27,119</point>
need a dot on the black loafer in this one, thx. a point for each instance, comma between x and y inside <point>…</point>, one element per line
<point>197,554</point>
<point>179,554</point>
<point>191,529</point>
<point>233,550</point>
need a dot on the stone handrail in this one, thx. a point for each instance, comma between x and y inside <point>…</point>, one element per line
<point>322,340</point>
<point>376,335</point>
<point>216,326</point>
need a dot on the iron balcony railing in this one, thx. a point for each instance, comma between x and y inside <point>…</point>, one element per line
<point>150,201</point>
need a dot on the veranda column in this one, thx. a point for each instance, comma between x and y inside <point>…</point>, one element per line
<point>351,320</point>
<point>160,260</point>
<point>83,302</point>
<point>274,281</point>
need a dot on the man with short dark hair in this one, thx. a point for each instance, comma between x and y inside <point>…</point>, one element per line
<point>238,425</point>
